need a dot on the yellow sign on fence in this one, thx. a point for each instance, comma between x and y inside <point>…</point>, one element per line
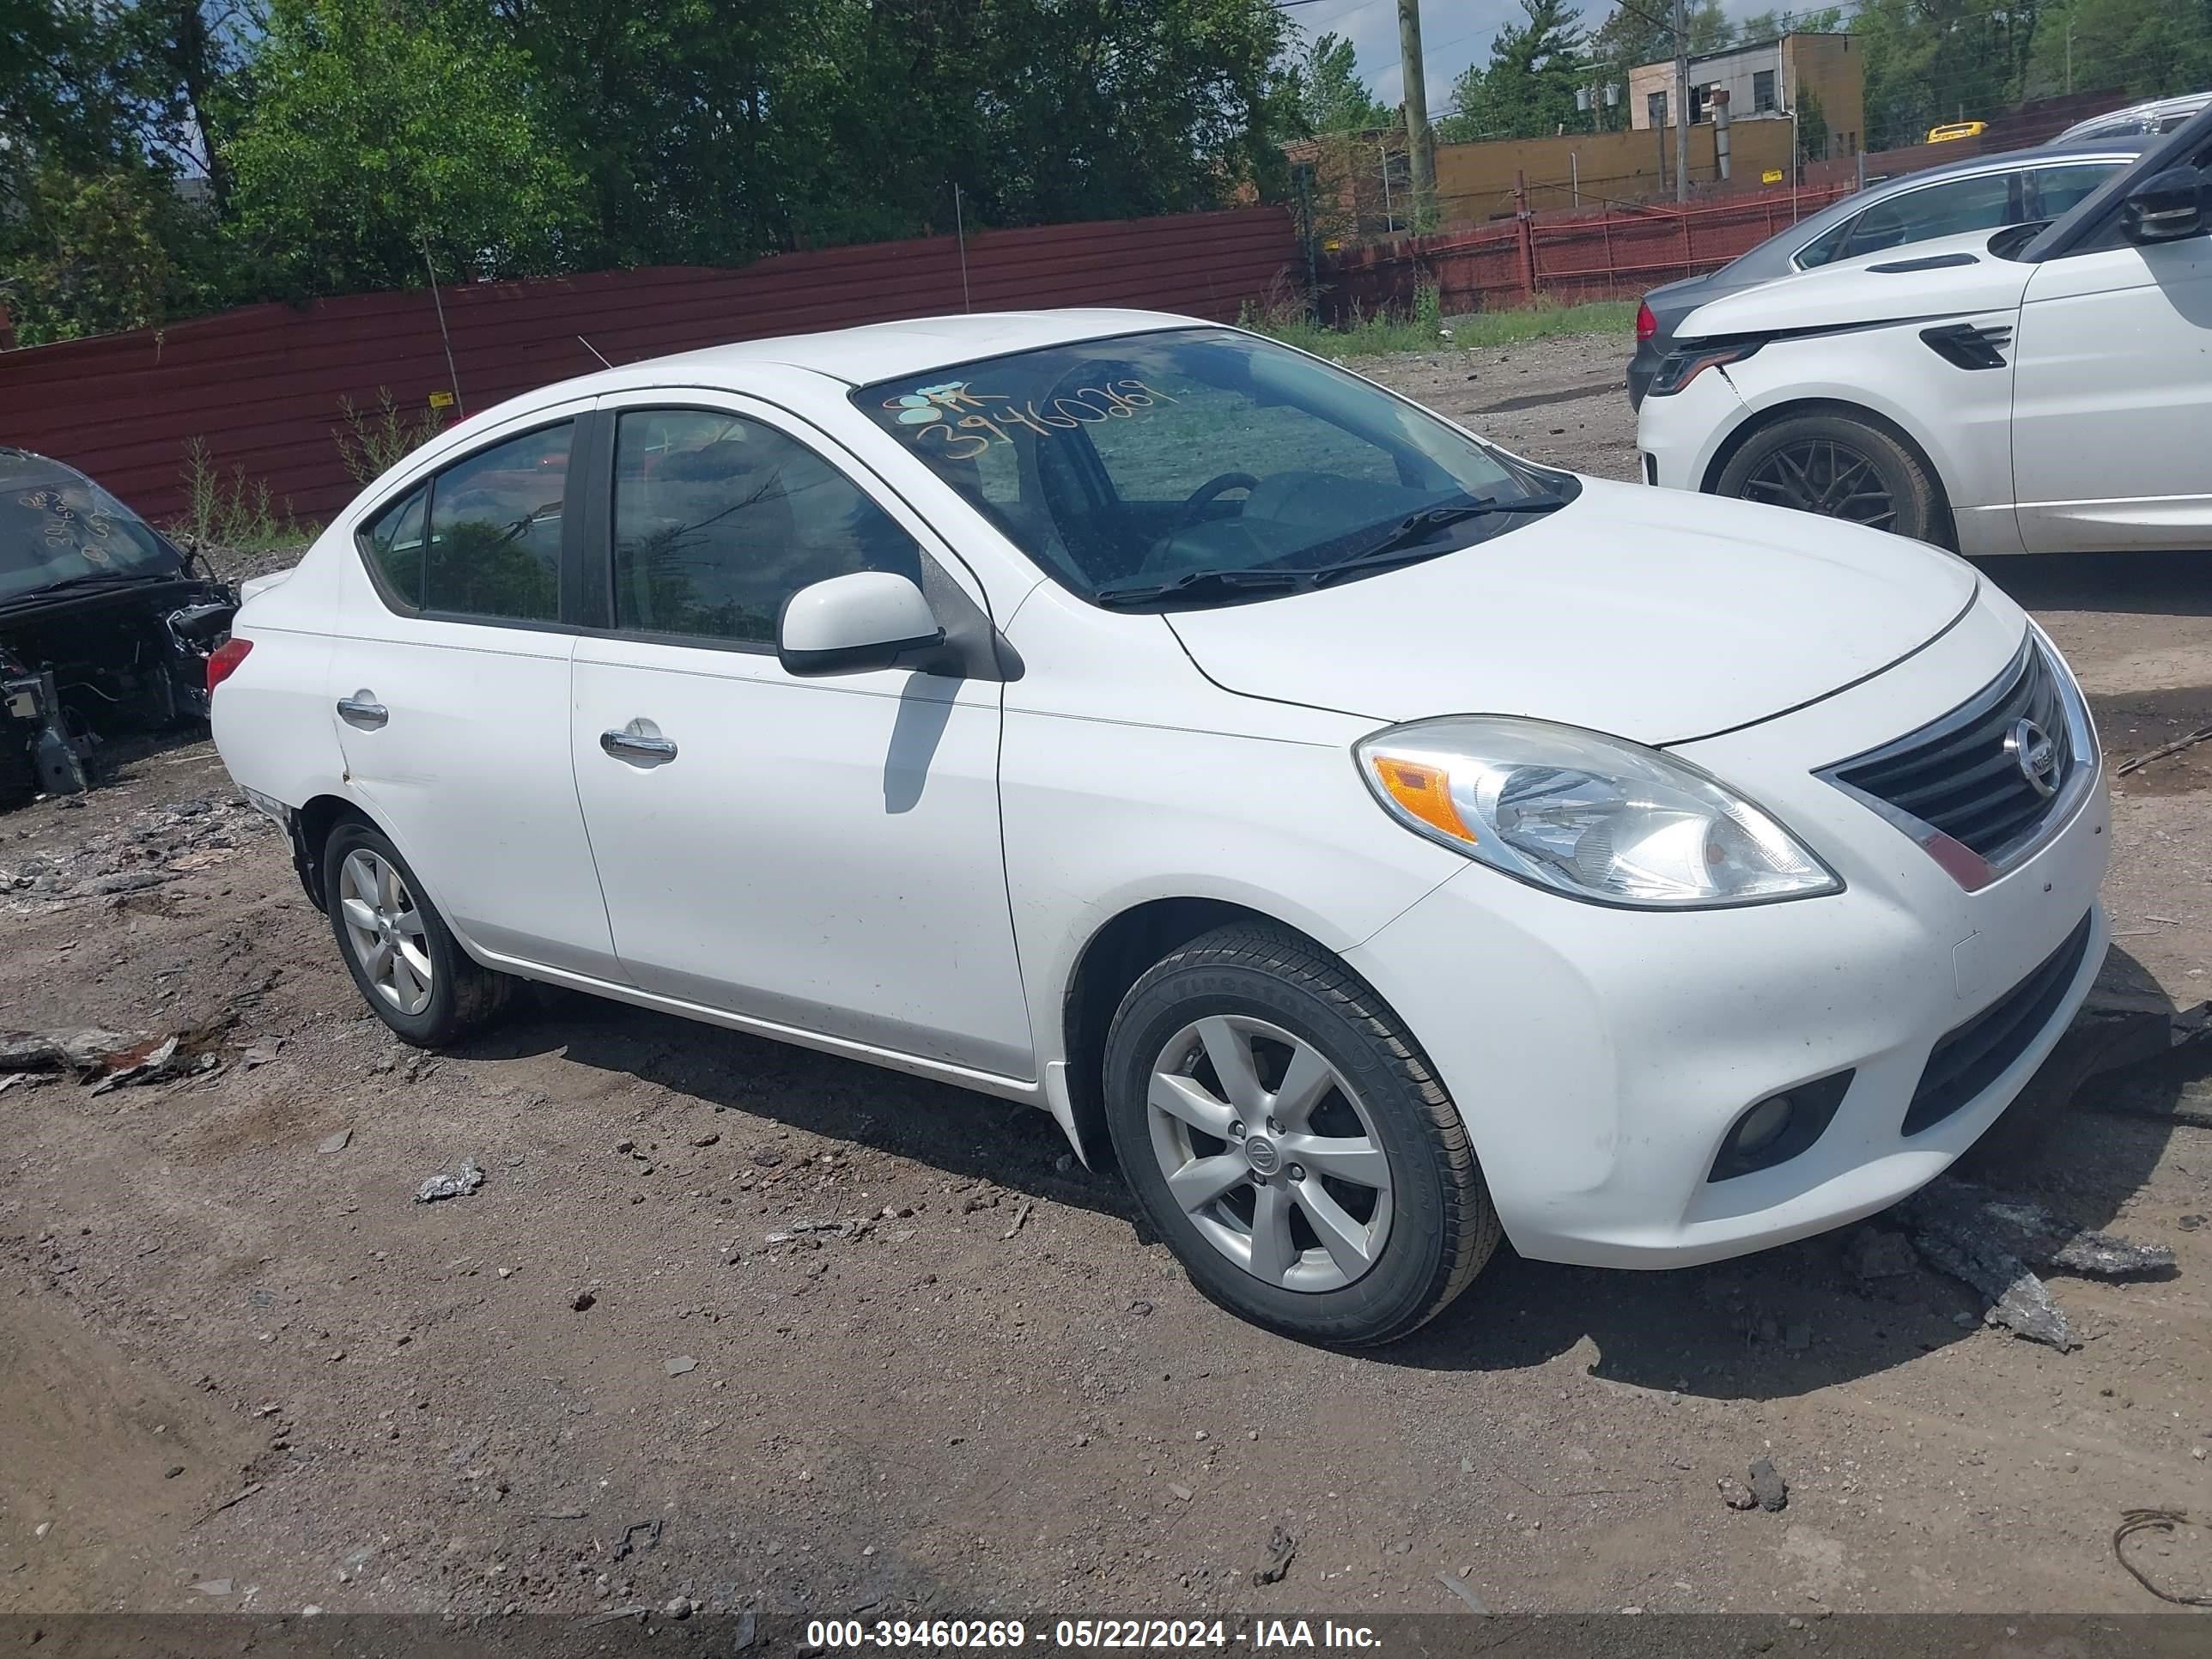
<point>445,399</point>
<point>1772,176</point>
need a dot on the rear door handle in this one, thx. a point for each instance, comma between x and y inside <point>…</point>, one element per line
<point>639,740</point>
<point>361,709</point>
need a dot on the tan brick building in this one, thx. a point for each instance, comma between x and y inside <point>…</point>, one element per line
<point>1765,80</point>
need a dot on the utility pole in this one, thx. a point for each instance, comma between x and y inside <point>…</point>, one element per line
<point>1421,142</point>
<point>1681,103</point>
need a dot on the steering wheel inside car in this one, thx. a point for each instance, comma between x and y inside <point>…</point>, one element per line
<point>1205,494</point>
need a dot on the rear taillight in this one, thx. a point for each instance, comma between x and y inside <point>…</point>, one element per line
<point>1646,324</point>
<point>223,661</point>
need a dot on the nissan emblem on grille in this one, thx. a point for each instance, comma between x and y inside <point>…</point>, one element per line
<point>2037,756</point>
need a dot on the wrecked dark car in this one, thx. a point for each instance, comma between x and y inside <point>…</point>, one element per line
<point>105,626</point>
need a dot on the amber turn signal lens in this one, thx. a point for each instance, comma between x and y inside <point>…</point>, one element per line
<point>1423,790</point>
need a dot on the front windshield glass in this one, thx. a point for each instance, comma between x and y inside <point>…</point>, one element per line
<point>1196,458</point>
<point>54,527</point>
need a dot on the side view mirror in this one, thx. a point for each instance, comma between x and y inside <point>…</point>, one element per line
<point>2167,207</point>
<point>850,624</point>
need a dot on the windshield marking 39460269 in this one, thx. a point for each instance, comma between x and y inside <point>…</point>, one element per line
<point>1201,465</point>
<point>962,416</point>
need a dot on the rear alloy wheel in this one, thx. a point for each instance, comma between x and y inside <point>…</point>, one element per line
<point>385,930</point>
<point>405,960</point>
<point>1839,468</point>
<point>1288,1141</point>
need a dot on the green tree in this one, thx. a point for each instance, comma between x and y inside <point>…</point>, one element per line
<point>1708,29</point>
<point>64,99</point>
<point>382,136</point>
<point>1331,94</point>
<point>184,60</point>
<point>716,130</point>
<point>1627,39</point>
<point>1933,61</point>
<point>2146,48</point>
<point>1527,88</point>
<point>89,254</point>
<point>346,141</point>
<point>93,234</point>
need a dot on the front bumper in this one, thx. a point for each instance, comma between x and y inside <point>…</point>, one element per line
<point>1679,435</point>
<point>1600,1056</point>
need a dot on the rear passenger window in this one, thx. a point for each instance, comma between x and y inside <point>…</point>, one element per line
<point>717,520</point>
<point>1979,203</point>
<point>495,546</point>
<point>1822,248</point>
<point>493,542</point>
<point>394,542</point>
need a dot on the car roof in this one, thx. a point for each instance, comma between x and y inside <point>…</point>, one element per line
<point>885,351</point>
<point>843,357</point>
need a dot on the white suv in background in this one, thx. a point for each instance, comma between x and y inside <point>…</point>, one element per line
<point>2041,389</point>
<point>1372,840</point>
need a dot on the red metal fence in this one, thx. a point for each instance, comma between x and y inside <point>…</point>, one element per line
<point>261,386</point>
<point>1574,256</point>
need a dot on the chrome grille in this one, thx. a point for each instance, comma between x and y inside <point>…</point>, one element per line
<point>1962,776</point>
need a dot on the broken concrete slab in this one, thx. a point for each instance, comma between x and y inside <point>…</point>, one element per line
<point>1994,1243</point>
<point>86,1050</point>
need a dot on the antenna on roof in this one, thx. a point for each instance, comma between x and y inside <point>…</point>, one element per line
<point>594,351</point>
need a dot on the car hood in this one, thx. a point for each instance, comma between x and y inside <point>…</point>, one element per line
<point>1947,276</point>
<point>1658,616</point>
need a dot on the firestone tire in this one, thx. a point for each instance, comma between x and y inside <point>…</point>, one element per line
<point>1357,1100</point>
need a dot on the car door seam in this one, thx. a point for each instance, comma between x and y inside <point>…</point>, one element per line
<point>584,817</point>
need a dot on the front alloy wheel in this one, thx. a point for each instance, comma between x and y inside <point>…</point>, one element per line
<point>1270,1152</point>
<point>1287,1139</point>
<point>1819,475</point>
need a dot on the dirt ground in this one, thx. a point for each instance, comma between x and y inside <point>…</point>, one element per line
<point>241,1367</point>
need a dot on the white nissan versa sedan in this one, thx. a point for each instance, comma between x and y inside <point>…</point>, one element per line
<point>1378,842</point>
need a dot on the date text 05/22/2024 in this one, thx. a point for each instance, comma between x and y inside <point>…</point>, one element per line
<point>829,1635</point>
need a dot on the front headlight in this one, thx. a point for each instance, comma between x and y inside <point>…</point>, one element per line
<point>1592,817</point>
<point>1686,362</point>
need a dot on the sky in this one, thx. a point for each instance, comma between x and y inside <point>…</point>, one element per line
<point>1454,34</point>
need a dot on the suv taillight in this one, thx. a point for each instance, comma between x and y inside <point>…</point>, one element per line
<point>223,661</point>
<point>1646,324</point>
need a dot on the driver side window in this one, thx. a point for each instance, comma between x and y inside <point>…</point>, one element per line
<point>717,520</point>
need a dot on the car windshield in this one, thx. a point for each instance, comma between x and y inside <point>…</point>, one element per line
<point>1202,465</point>
<point>56,528</point>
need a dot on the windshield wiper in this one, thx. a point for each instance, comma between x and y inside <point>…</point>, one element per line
<point>1408,543</point>
<point>1194,584</point>
<point>97,579</point>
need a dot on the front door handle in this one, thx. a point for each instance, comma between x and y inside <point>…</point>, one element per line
<point>640,740</point>
<point>361,709</point>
